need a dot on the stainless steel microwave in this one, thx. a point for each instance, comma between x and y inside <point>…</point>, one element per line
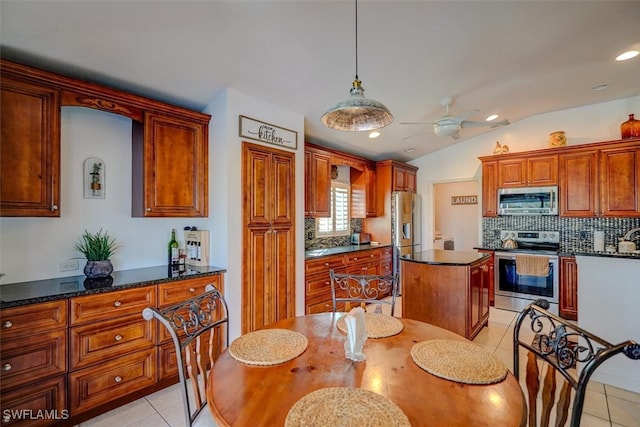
<point>528,201</point>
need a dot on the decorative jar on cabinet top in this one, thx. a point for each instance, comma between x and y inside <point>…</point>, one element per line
<point>557,139</point>
<point>630,128</point>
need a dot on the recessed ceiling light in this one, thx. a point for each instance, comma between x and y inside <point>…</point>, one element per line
<point>410,150</point>
<point>627,55</point>
<point>374,134</point>
<point>491,117</point>
<point>600,87</point>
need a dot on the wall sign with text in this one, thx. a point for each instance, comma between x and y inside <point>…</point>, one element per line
<point>464,200</point>
<point>265,132</point>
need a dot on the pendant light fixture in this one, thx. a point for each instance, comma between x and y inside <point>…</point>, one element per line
<point>357,113</point>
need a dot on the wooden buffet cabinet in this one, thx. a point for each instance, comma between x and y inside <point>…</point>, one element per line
<point>317,280</point>
<point>594,180</point>
<point>89,354</point>
<point>169,145</point>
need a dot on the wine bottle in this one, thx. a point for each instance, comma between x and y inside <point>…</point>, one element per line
<point>173,248</point>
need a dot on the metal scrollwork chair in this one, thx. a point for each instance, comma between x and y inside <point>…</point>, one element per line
<point>561,345</point>
<point>363,290</point>
<point>196,327</point>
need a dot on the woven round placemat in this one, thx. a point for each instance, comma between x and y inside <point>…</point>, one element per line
<point>268,346</point>
<point>345,406</point>
<point>458,361</point>
<point>377,325</point>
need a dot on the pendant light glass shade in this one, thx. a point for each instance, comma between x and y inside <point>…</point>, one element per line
<point>357,113</point>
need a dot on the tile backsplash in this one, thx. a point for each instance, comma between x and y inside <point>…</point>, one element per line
<point>576,234</point>
<point>313,242</point>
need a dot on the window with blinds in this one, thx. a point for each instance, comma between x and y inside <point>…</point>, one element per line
<point>338,223</point>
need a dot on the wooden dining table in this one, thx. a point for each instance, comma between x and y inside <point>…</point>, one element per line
<point>247,395</point>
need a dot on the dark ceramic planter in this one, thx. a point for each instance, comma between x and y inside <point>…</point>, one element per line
<point>95,269</point>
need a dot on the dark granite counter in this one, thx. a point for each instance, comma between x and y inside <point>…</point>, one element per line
<point>631,255</point>
<point>32,292</point>
<point>442,257</point>
<point>319,253</point>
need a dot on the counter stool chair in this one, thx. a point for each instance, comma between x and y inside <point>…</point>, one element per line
<point>196,327</point>
<point>363,290</point>
<point>560,345</point>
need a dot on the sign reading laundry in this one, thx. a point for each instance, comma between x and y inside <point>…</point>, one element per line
<point>265,132</point>
<point>464,200</point>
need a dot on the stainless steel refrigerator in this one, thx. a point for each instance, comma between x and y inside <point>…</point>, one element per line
<point>405,225</point>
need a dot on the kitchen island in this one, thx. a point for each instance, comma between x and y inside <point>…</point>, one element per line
<point>449,289</point>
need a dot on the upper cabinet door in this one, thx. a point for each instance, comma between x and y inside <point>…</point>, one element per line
<point>174,168</point>
<point>578,184</point>
<point>29,149</point>
<point>317,184</point>
<point>620,182</point>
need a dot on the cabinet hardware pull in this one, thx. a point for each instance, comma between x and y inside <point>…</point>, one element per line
<point>326,264</point>
<point>118,379</point>
<point>7,324</point>
<point>7,367</point>
<point>54,208</point>
<point>355,259</point>
<point>192,290</point>
<point>148,209</point>
<point>117,304</point>
<point>118,337</point>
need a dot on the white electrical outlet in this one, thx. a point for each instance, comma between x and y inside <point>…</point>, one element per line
<point>70,265</point>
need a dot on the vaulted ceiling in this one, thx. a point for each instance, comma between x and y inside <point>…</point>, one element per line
<point>512,58</point>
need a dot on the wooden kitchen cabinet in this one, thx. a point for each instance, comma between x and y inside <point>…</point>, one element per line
<point>29,147</point>
<point>404,177</point>
<point>169,145</point>
<point>490,275</point>
<point>363,191</point>
<point>318,282</point>
<point>170,167</point>
<point>34,359</point>
<point>317,198</point>
<point>528,171</point>
<point>619,173</point>
<point>490,188</point>
<point>578,187</point>
<point>451,296</point>
<point>268,279</point>
<point>568,306</point>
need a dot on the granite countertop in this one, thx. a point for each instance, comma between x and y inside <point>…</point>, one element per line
<point>445,257</point>
<point>319,253</point>
<point>32,292</point>
<point>630,255</point>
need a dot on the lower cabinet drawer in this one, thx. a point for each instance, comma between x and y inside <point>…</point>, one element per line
<point>96,385</point>
<point>24,320</point>
<point>95,342</point>
<point>42,403</point>
<point>317,284</point>
<point>101,307</point>
<point>31,358</point>
<point>173,293</point>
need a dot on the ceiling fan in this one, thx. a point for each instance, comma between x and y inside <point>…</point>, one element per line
<point>449,125</point>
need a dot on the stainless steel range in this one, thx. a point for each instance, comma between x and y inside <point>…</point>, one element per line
<point>528,272</point>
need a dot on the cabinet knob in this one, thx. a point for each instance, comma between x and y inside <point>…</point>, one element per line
<point>117,304</point>
<point>54,208</point>
<point>118,337</point>
<point>326,264</point>
<point>192,290</point>
<point>7,324</point>
<point>355,259</point>
<point>148,209</point>
<point>118,379</point>
<point>7,367</point>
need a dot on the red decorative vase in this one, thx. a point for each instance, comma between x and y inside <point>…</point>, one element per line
<point>630,128</point>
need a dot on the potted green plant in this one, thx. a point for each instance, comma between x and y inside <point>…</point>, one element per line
<point>97,248</point>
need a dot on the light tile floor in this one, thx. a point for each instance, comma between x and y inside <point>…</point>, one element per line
<point>604,405</point>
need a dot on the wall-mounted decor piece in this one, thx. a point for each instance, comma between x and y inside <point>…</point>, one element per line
<point>265,132</point>
<point>464,200</point>
<point>94,178</point>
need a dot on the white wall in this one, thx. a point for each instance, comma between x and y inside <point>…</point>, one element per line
<point>33,248</point>
<point>457,221</point>
<point>225,160</point>
<point>592,123</point>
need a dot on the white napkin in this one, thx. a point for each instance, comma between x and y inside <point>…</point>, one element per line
<point>356,335</point>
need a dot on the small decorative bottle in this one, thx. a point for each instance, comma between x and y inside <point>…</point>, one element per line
<point>630,128</point>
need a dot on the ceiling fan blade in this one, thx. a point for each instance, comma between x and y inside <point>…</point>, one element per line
<point>413,136</point>
<point>471,124</point>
